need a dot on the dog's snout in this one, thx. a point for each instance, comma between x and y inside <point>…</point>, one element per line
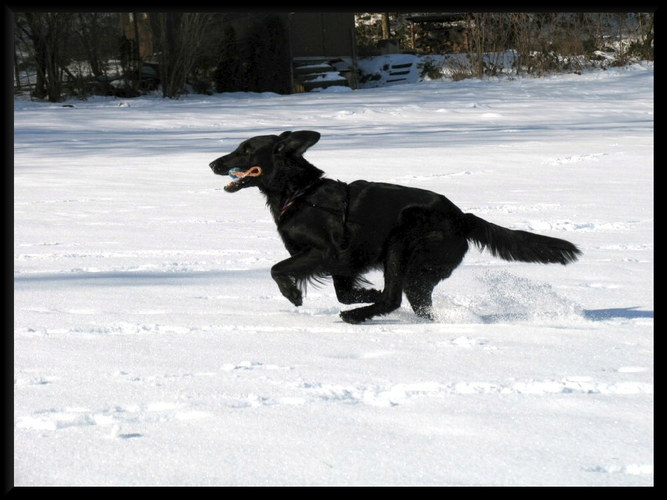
<point>217,166</point>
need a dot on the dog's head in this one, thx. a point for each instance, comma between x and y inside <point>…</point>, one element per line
<point>278,157</point>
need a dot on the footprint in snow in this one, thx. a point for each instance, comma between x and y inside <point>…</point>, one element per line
<point>54,419</point>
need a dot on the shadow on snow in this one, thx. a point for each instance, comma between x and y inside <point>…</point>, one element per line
<point>615,312</point>
<point>145,278</point>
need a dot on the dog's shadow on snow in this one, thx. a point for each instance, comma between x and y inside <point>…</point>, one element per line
<point>614,313</point>
<point>588,314</point>
<point>177,278</point>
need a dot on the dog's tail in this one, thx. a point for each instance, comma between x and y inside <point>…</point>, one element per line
<point>511,244</point>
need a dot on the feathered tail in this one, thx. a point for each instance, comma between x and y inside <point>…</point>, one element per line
<point>510,244</point>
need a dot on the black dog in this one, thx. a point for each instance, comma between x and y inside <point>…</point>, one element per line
<point>332,228</point>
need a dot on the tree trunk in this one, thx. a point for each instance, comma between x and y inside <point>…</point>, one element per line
<point>385,25</point>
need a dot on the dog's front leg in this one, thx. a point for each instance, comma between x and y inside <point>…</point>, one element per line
<point>289,272</point>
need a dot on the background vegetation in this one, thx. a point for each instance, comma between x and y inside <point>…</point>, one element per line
<point>61,54</point>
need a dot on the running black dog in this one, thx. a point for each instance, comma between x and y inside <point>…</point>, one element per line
<point>331,228</point>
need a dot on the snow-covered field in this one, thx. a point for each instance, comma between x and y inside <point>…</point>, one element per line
<point>151,346</point>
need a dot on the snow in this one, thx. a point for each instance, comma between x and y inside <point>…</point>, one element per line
<point>151,346</point>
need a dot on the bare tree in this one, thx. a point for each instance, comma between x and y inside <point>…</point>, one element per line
<point>646,24</point>
<point>90,29</point>
<point>48,33</point>
<point>477,24</point>
<point>178,36</point>
<point>94,42</point>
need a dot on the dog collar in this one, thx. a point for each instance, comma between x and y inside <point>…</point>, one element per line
<point>294,197</point>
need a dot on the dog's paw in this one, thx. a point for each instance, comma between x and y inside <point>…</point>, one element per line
<point>291,293</point>
<point>353,317</point>
<point>295,297</point>
<point>425,313</point>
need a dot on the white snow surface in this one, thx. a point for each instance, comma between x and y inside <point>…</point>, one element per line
<point>151,346</point>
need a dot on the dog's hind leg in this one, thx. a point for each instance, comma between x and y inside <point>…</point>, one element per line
<point>419,290</point>
<point>390,298</point>
<point>348,292</point>
<point>433,259</point>
<point>419,294</point>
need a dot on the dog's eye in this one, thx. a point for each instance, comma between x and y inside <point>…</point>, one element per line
<point>246,149</point>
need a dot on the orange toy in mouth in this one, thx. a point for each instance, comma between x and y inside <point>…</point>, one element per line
<point>255,171</point>
<point>239,175</point>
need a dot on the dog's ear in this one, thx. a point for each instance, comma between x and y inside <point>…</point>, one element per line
<point>296,142</point>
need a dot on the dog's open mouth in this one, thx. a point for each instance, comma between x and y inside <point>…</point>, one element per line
<point>242,178</point>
